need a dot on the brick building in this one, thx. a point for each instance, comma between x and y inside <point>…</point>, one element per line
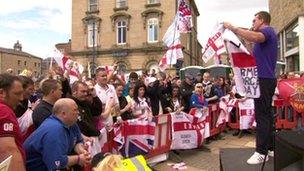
<point>128,32</point>
<point>288,20</point>
<point>17,60</point>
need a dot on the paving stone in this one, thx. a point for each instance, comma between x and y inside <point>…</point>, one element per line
<point>202,159</point>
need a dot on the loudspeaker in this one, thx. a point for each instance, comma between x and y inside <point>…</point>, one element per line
<point>289,150</point>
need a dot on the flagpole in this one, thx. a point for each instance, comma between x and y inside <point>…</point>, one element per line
<point>175,25</point>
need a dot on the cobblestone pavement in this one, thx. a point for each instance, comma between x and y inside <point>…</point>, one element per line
<point>207,158</point>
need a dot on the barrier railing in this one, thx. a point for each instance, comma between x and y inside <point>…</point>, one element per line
<point>285,117</point>
<point>162,141</point>
<point>234,123</point>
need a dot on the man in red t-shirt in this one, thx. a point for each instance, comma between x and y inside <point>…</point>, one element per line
<point>11,93</point>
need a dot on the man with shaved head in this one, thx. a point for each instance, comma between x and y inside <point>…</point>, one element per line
<point>50,147</point>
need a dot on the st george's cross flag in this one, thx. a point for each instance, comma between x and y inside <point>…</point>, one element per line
<point>215,45</point>
<point>68,65</point>
<point>188,131</point>
<point>182,23</point>
<point>172,40</point>
<point>243,63</point>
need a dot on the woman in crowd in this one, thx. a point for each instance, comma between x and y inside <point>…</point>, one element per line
<point>130,95</point>
<point>140,103</point>
<point>125,107</point>
<point>197,98</point>
<point>176,99</point>
<point>221,87</point>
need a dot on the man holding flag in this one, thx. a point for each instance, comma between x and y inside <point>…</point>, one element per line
<point>265,53</point>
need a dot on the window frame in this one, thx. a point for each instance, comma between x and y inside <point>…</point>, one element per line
<point>119,2</point>
<point>153,1</point>
<point>90,28</point>
<point>123,28</point>
<point>154,22</point>
<point>90,5</point>
<point>287,33</point>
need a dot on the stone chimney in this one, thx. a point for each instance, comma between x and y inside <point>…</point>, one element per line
<point>17,46</point>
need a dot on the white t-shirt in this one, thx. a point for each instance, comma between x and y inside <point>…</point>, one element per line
<point>142,109</point>
<point>105,95</point>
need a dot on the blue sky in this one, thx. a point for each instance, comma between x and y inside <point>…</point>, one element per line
<point>40,24</point>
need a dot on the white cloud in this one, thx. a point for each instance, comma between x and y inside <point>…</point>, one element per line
<point>54,15</point>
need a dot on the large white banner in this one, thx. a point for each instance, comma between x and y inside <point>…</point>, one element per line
<point>189,131</point>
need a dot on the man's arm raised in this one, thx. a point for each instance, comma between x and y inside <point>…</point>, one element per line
<point>249,35</point>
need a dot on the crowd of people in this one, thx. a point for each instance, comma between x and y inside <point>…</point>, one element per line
<point>46,123</point>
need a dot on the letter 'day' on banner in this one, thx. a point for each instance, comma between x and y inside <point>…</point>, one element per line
<point>243,65</point>
<point>245,68</point>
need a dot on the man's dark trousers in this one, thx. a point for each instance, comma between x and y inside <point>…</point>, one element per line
<point>264,116</point>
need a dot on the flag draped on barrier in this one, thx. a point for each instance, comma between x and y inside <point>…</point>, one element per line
<point>135,137</point>
<point>188,131</point>
<point>182,23</point>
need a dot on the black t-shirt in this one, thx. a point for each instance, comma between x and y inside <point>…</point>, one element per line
<point>21,108</point>
<point>41,112</point>
<point>122,104</point>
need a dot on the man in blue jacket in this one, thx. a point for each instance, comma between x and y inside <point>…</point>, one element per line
<point>52,145</point>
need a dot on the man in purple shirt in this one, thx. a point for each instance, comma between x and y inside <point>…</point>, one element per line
<point>265,53</point>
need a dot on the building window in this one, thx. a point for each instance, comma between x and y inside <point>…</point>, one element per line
<point>93,6</point>
<point>279,47</point>
<point>292,36</point>
<point>121,32</point>
<point>19,62</point>
<point>35,64</point>
<point>19,72</point>
<point>38,64</point>
<point>153,30</point>
<point>92,35</point>
<point>24,63</point>
<point>293,63</point>
<point>121,3</point>
<point>153,1</point>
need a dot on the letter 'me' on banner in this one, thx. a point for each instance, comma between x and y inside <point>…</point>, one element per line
<point>245,70</point>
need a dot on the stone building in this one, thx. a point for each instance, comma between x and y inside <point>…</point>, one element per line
<point>288,20</point>
<point>128,32</point>
<point>17,60</point>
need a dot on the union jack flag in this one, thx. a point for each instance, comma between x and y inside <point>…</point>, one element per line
<point>184,17</point>
<point>135,137</point>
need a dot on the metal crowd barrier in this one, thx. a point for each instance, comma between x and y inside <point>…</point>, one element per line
<point>285,117</point>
